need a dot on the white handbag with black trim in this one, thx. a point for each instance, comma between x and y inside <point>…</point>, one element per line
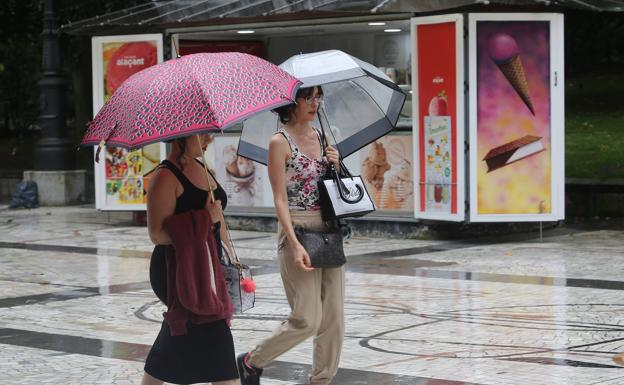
<point>344,195</point>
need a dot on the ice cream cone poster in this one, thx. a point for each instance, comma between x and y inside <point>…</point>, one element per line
<point>516,129</point>
<point>122,179</point>
<point>438,116</point>
<point>387,171</point>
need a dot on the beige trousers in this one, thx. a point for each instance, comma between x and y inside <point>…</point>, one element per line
<point>316,301</point>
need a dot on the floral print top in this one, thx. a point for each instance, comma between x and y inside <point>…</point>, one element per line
<point>302,176</point>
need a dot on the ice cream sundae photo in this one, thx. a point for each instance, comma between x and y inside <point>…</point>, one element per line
<point>240,173</point>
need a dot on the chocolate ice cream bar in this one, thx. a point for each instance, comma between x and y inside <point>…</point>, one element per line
<point>513,151</point>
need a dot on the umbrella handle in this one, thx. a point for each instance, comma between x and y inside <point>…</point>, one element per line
<point>175,46</point>
<point>210,192</point>
<point>103,143</point>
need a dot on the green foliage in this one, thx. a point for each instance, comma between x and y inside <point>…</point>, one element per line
<point>20,28</point>
<point>20,52</point>
<point>593,40</point>
<point>595,126</point>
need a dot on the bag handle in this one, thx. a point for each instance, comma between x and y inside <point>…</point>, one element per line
<point>324,143</point>
<point>335,174</point>
<point>235,260</point>
<point>342,188</point>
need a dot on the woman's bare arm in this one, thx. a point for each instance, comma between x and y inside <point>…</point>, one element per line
<point>279,150</point>
<point>161,202</point>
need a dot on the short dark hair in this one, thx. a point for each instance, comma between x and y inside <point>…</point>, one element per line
<point>285,112</point>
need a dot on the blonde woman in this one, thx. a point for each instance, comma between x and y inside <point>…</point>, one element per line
<point>206,352</point>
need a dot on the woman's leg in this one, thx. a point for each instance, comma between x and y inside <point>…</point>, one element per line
<point>303,291</point>
<point>328,340</point>
<point>149,380</point>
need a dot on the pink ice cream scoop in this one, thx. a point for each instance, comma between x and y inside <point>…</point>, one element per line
<point>502,48</point>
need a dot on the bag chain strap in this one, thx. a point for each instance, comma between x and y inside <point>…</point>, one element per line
<point>236,261</point>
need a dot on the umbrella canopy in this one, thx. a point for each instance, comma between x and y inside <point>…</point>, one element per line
<point>361,104</point>
<point>188,95</point>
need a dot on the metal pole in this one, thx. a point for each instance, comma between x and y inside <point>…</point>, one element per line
<point>53,151</point>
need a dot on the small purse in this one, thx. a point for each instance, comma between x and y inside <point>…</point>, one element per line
<point>238,277</point>
<point>323,246</point>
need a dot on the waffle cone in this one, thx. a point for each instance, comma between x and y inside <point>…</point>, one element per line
<point>514,72</point>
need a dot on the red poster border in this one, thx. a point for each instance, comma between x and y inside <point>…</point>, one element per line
<point>437,57</point>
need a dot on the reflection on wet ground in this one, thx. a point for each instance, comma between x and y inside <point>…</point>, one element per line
<point>76,306</point>
<point>283,371</point>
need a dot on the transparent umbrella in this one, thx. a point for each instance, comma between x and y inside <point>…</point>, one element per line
<point>361,104</point>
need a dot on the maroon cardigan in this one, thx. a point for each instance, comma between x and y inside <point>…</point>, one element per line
<point>189,293</point>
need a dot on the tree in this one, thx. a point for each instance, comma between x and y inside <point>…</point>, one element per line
<point>20,60</point>
<point>20,52</point>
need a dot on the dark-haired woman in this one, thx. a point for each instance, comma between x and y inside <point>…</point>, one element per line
<point>315,295</point>
<point>206,352</point>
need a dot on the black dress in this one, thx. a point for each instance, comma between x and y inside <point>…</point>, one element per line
<point>206,352</point>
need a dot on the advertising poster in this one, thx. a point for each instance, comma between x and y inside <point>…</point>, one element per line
<point>120,60</point>
<point>438,104</point>
<point>387,171</point>
<point>128,174</point>
<point>245,182</point>
<point>122,178</point>
<point>517,135</point>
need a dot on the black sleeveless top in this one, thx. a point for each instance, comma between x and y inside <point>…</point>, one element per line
<point>193,198</point>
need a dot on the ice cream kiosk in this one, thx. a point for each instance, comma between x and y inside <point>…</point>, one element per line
<point>481,138</point>
<point>488,117</point>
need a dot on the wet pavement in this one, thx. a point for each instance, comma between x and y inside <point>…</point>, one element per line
<point>76,306</point>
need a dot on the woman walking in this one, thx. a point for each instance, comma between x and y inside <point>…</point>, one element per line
<point>315,295</point>
<point>204,352</point>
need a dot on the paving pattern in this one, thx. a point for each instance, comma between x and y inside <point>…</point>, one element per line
<point>76,306</point>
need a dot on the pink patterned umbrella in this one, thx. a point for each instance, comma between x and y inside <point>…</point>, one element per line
<point>188,95</point>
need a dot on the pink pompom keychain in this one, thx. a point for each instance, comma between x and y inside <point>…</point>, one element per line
<point>248,285</point>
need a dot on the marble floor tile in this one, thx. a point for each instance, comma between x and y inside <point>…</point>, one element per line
<point>76,306</point>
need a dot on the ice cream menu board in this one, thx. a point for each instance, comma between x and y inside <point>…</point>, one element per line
<point>122,177</point>
<point>438,116</point>
<point>438,163</point>
<point>128,174</point>
<point>516,128</point>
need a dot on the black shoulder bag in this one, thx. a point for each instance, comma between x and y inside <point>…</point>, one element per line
<point>323,246</point>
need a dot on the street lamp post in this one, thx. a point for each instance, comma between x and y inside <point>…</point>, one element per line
<point>53,151</point>
<point>57,181</point>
